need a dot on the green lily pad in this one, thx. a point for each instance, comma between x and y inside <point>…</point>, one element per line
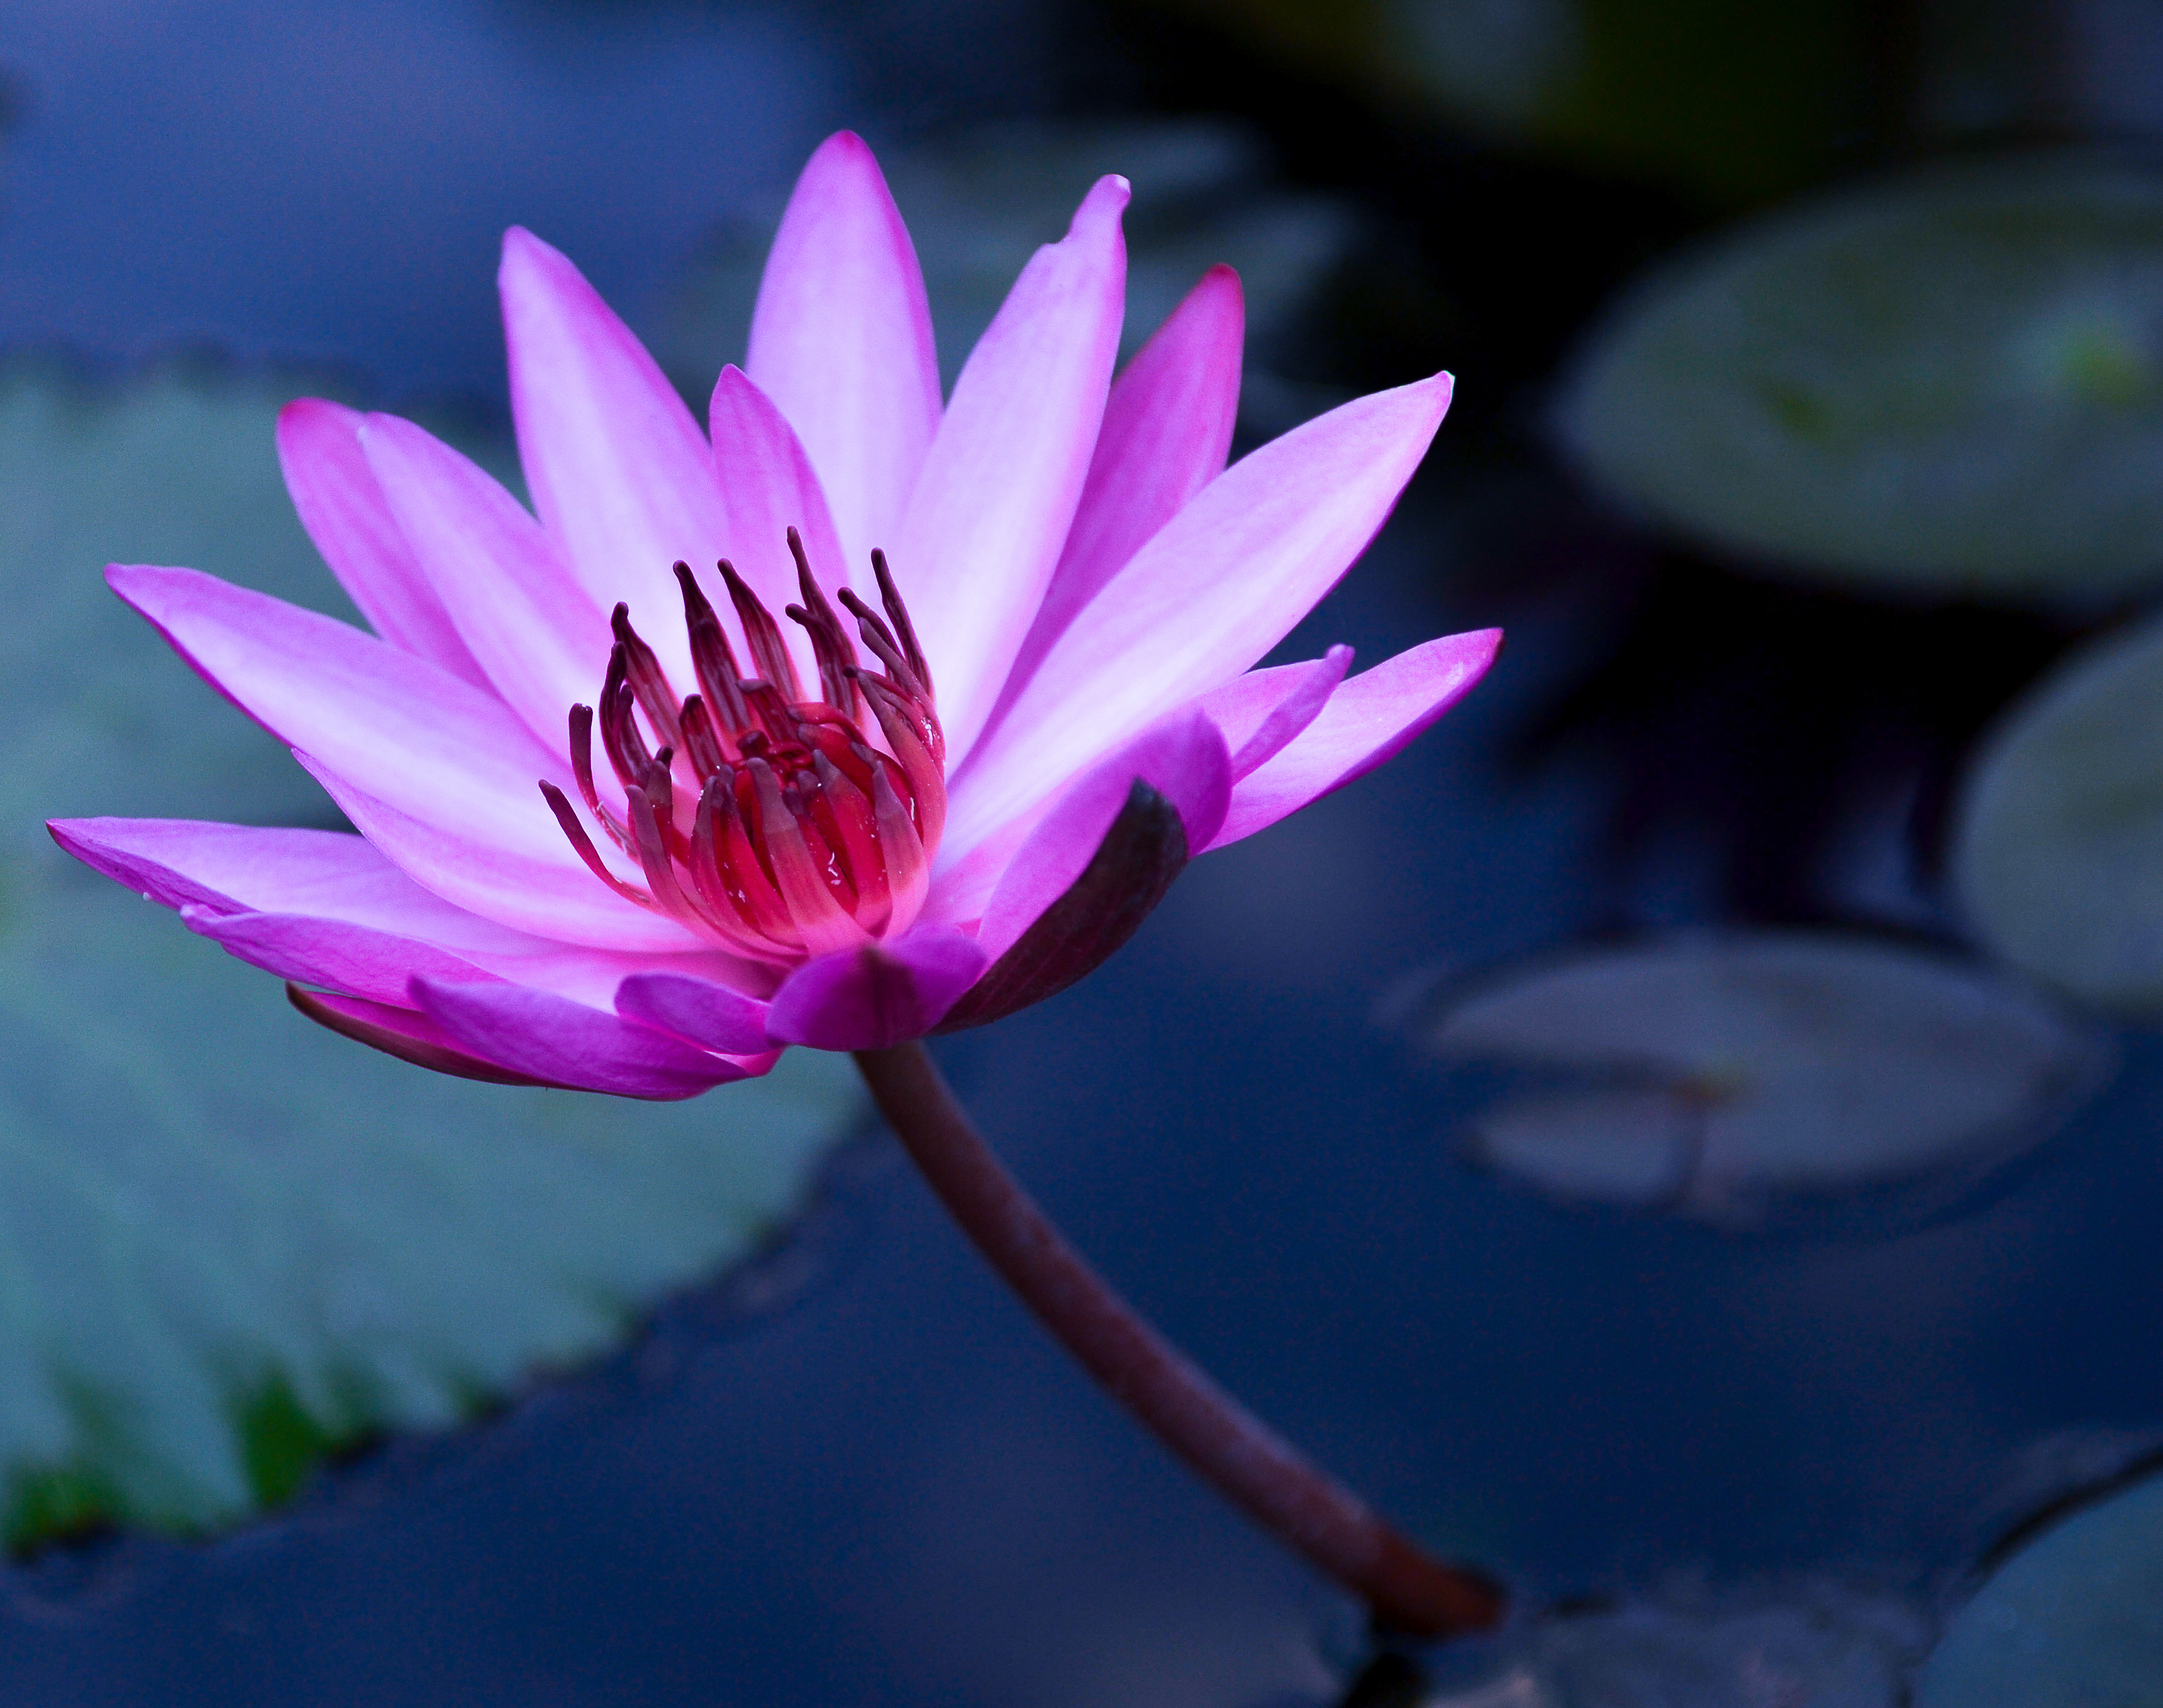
<point>1714,1076</point>
<point>979,205</point>
<point>1947,384</point>
<point>2058,844</point>
<point>2074,1619</point>
<point>229,1241</point>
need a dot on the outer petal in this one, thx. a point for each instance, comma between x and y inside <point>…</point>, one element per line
<point>1167,429</point>
<point>405,1033</point>
<point>343,510</point>
<point>710,1015</point>
<point>328,908</point>
<point>539,894</point>
<point>551,1037</point>
<point>1211,593</point>
<point>1367,721</point>
<point>1183,758</point>
<point>992,508</point>
<point>536,632</point>
<point>880,994</point>
<point>392,723</point>
<point>618,470</point>
<point>767,488</point>
<point>1263,710</point>
<point>841,341</point>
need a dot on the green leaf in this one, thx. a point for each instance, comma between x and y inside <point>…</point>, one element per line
<point>2058,844</point>
<point>228,1239</point>
<point>1712,1075</point>
<point>1947,384</point>
<point>2074,1619</point>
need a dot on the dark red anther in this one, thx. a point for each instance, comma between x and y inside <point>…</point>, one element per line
<point>880,639</point>
<point>762,634</point>
<point>649,681</point>
<point>711,659</point>
<point>702,742</point>
<point>772,714</point>
<point>890,597</point>
<point>567,816</point>
<point>620,737</point>
<point>829,641</point>
<point>582,768</point>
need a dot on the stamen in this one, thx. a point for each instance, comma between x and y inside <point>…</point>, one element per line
<point>880,639</point>
<point>649,681</point>
<point>712,660</point>
<point>823,924</point>
<point>702,743</point>
<point>922,764</point>
<point>582,768</point>
<point>829,641</point>
<point>621,739</point>
<point>771,711</point>
<point>908,870</point>
<point>890,597</point>
<point>845,818</point>
<point>653,856</point>
<point>762,634</point>
<point>568,816</point>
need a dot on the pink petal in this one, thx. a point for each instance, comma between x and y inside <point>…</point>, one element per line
<point>767,488</point>
<point>550,1037</point>
<point>538,894</point>
<point>708,1014</point>
<point>534,627</point>
<point>400,729</point>
<point>998,493</point>
<point>342,888</point>
<point>354,960</point>
<point>1167,429</point>
<point>343,510</point>
<point>618,470</point>
<point>1183,758</point>
<point>405,1033</point>
<point>880,994</point>
<point>841,341</point>
<point>1211,593</point>
<point>1264,709</point>
<point>1367,721</point>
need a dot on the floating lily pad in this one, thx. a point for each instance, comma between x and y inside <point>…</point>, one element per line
<point>229,1241</point>
<point>1948,385</point>
<point>2058,845</point>
<point>2074,1619</point>
<point>1809,1644</point>
<point>979,205</point>
<point>1715,1075</point>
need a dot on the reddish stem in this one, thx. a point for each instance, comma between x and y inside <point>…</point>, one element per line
<point>1408,1590</point>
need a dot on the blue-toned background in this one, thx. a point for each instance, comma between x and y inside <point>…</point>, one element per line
<point>857,1474</point>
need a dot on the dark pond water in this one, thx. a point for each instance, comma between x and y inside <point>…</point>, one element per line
<point>887,1488</point>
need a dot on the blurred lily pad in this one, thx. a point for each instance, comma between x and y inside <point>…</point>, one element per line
<point>2058,846</point>
<point>229,1241</point>
<point>2074,1619</point>
<point>1812,1643</point>
<point>1715,1076</point>
<point>979,205</point>
<point>1948,385</point>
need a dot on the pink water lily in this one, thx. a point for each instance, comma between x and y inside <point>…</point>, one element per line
<point>908,709</point>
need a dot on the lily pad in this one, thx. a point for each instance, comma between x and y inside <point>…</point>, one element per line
<point>1947,384</point>
<point>1716,1075</point>
<point>2074,1619</point>
<point>229,1241</point>
<point>979,205</point>
<point>1812,1643</point>
<point>2058,843</point>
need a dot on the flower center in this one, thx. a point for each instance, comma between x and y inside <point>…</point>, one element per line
<point>763,819</point>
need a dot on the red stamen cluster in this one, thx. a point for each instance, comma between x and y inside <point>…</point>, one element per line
<point>791,833</point>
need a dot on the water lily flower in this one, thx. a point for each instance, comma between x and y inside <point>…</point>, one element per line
<point>908,707</point>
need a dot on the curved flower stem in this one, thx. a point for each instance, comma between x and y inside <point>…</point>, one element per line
<point>1263,1476</point>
